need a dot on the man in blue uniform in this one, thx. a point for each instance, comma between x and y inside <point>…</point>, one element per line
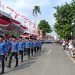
<point>20,47</point>
<point>28,48</point>
<point>31,46</point>
<point>14,51</point>
<point>2,52</point>
<point>35,46</point>
<point>7,42</point>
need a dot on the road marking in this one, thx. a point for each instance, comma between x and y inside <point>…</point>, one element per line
<point>49,52</point>
<point>70,57</point>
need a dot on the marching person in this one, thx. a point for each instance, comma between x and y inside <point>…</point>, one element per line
<point>7,42</point>
<point>35,46</point>
<point>2,52</point>
<point>24,47</point>
<point>20,48</point>
<point>28,47</point>
<point>31,46</point>
<point>14,51</point>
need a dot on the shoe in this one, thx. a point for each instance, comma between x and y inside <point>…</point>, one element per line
<point>8,66</point>
<point>22,61</point>
<point>1,73</point>
<point>16,66</point>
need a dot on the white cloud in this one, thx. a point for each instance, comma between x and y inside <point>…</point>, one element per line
<point>28,4</point>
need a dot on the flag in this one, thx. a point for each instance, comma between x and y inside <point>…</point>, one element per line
<point>16,15</point>
<point>10,8</point>
<point>30,22</point>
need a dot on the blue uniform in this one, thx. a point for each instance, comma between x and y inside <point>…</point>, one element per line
<point>27,44</point>
<point>14,46</point>
<point>34,44</point>
<point>20,46</point>
<point>3,48</point>
<point>7,45</point>
<point>31,44</point>
<point>37,44</point>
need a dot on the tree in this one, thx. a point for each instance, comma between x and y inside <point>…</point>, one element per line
<point>64,16</point>
<point>45,27</point>
<point>36,10</point>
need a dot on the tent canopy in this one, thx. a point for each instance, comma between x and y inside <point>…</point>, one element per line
<point>6,22</point>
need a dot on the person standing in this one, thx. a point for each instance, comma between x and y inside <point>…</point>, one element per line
<point>64,44</point>
<point>14,51</point>
<point>35,46</point>
<point>2,52</point>
<point>20,48</point>
<point>31,46</point>
<point>28,48</point>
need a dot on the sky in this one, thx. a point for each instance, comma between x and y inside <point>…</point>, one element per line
<point>25,8</point>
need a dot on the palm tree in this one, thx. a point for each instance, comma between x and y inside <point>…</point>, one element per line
<point>36,10</point>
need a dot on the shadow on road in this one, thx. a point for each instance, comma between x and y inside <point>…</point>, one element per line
<point>27,62</point>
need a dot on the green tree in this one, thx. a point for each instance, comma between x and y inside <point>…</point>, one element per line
<point>45,27</point>
<point>64,16</point>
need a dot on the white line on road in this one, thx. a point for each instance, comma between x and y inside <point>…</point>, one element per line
<point>49,52</point>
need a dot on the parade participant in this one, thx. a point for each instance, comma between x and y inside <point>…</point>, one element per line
<point>2,52</point>
<point>14,51</point>
<point>7,42</point>
<point>31,46</point>
<point>35,46</point>
<point>20,48</point>
<point>24,47</point>
<point>28,48</point>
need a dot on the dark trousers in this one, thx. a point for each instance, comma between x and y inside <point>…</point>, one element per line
<point>28,52</point>
<point>15,54</point>
<point>40,48</point>
<point>32,51</point>
<point>2,62</point>
<point>8,53</point>
<point>64,47</point>
<point>21,53</point>
<point>35,48</point>
<point>25,51</point>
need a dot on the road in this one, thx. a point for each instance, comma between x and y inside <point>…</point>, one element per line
<point>52,60</point>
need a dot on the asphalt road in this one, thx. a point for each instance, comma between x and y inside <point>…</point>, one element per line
<point>52,60</point>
